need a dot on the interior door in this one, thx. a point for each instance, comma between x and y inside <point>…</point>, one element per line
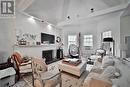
<point>127,46</point>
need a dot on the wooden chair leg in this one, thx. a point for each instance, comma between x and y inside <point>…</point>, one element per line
<point>61,84</point>
<point>61,79</point>
<point>18,75</point>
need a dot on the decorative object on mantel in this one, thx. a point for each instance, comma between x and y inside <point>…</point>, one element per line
<point>29,36</point>
<point>22,42</point>
<point>58,39</point>
<point>27,39</point>
<point>38,43</point>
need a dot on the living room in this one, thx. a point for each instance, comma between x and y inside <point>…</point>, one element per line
<point>41,29</point>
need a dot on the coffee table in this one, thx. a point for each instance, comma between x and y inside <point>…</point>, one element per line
<point>75,70</point>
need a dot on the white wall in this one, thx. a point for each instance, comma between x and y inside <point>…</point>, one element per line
<point>110,22</point>
<point>124,31</point>
<point>84,28</point>
<point>6,38</point>
<point>36,27</point>
<point>96,27</point>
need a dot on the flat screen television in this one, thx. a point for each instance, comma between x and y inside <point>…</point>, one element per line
<point>47,38</point>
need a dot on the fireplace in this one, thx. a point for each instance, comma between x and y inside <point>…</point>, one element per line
<point>48,55</point>
<point>51,56</point>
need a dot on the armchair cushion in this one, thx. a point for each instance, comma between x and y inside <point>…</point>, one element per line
<point>42,77</point>
<point>25,68</point>
<point>49,74</point>
<point>53,79</point>
<point>51,83</point>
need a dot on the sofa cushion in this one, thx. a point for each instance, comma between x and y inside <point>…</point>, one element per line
<point>96,82</point>
<point>97,67</point>
<point>107,61</point>
<point>110,72</point>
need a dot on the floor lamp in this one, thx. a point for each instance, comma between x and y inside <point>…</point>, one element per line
<point>110,39</point>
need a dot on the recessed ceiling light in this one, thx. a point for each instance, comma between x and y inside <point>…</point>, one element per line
<point>68,17</point>
<point>31,19</point>
<point>49,26</point>
<point>92,10</point>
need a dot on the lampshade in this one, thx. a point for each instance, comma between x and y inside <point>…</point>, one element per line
<point>108,39</point>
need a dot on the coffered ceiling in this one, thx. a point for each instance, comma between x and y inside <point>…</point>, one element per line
<point>55,11</point>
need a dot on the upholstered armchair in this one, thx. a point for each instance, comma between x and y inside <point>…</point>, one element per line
<point>42,77</point>
<point>22,65</point>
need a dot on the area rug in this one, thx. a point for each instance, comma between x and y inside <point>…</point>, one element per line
<point>27,81</point>
<point>21,83</point>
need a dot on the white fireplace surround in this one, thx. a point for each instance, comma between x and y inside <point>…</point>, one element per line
<point>36,51</point>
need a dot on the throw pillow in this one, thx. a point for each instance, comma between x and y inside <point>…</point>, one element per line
<point>110,73</point>
<point>107,61</point>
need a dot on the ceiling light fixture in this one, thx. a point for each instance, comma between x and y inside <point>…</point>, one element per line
<point>92,10</point>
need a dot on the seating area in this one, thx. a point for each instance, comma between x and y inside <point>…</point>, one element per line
<point>64,43</point>
<point>99,75</point>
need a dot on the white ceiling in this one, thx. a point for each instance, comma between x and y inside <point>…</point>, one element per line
<point>55,11</point>
<point>127,11</point>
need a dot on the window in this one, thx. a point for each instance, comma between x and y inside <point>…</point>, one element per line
<point>72,39</point>
<point>107,34</point>
<point>88,40</point>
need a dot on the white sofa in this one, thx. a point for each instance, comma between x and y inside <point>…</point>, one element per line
<point>102,73</point>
